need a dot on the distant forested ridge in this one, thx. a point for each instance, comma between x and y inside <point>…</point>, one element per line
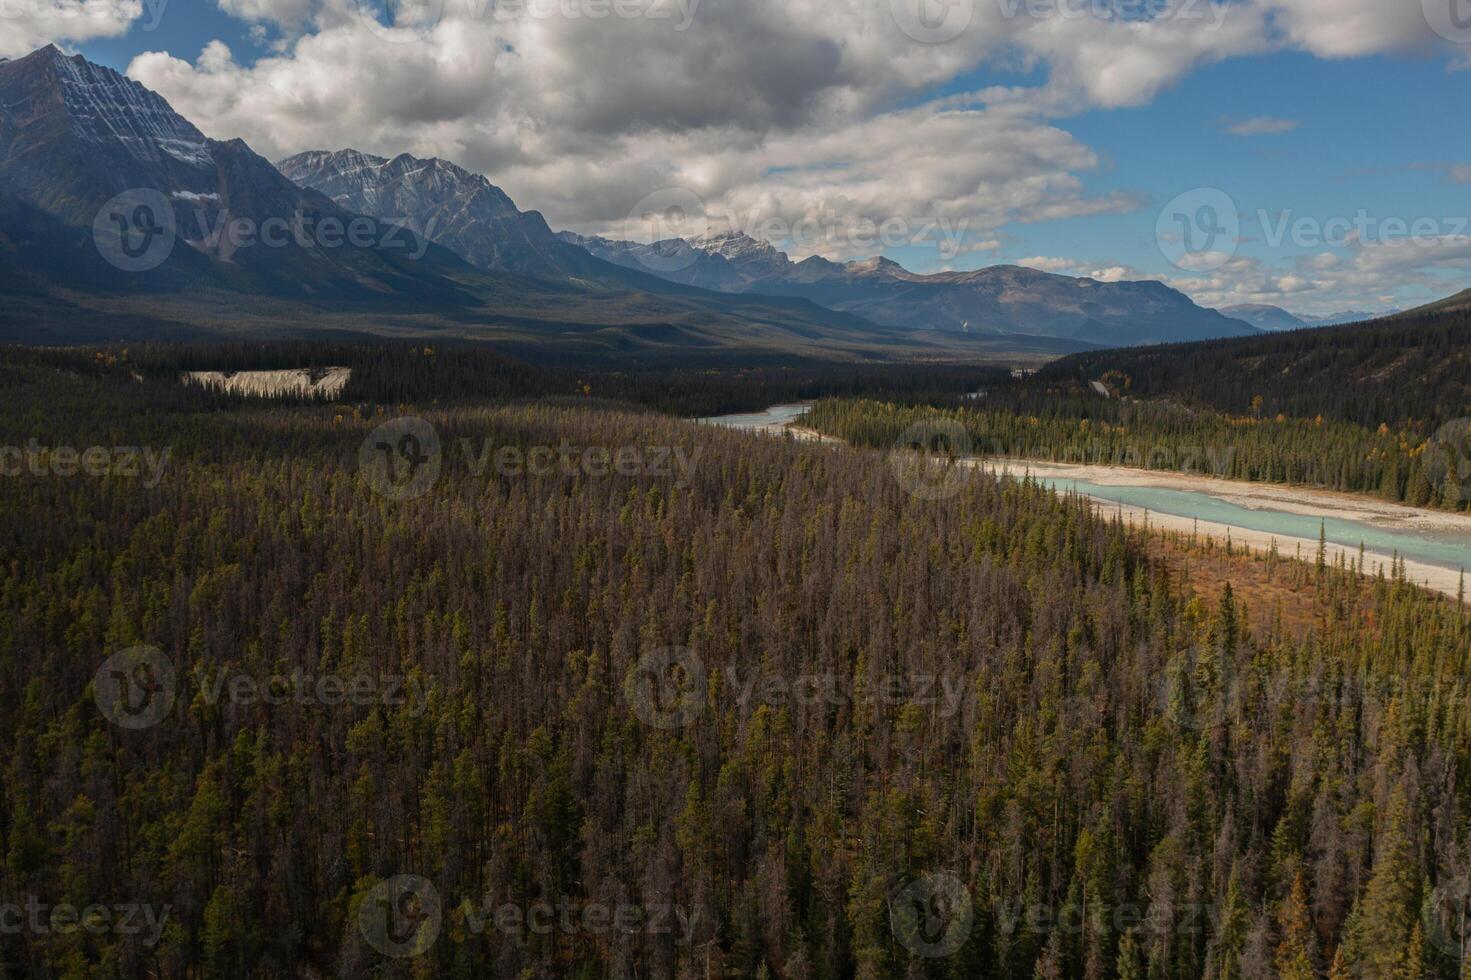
<point>453,373</point>
<point>761,712</point>
<point>1410,370</point>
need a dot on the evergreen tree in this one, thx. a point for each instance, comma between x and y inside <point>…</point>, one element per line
<point>1297,950</point>
<point>1380,927</point>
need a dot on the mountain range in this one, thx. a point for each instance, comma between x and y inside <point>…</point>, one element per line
<point>468,214</point>
<point>1274,319</point>
<point>83,148</point>
<point>1003,299</point>
<point>465,212</point>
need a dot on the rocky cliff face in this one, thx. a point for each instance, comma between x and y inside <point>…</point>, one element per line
<point>452,206</point>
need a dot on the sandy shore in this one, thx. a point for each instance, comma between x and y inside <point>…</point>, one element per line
<point>1443,580</point>
<point>1253,496</point>
<point>812,435</point>
<point>1263,496</point>
<point>778,426</point>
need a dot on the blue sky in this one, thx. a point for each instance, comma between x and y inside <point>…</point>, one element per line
<point>1366,128</point>
<point>1368,135</point>
<point>183,28</point>
<point>776,109</point>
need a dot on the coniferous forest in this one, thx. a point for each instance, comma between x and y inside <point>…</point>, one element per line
<point>1406,370</point>
<point>1405,465</point>
<point>540,681</point>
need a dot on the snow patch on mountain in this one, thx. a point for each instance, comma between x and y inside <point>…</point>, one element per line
<point>103,106</point>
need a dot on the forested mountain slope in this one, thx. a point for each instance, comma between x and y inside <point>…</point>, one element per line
<point>1415,367</point>
<point>1459,303</point>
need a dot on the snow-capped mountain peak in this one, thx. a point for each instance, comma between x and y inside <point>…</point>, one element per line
<point>340,160</point>
<point>102,106</point>
<point>734,245</point>
<point>454,207</point>
<point>877,266</point>
<point>751,256</point>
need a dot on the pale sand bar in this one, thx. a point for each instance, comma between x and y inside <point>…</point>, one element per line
<point>1265,496</point>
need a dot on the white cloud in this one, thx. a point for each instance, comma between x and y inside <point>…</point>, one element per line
<point>781,107</point>
<point>977,247</point>
<point>1410,254</point>
<point>1259,126</point>
<point>1116,272</point>
<point>1374,276</point>
<point>29,24</point>
<point>1352,28</point>
<point>581,120</point>
<point>288,14</point>
<point>964,172</point>
<point>1117,63</point>
<point>584,114</point>
<point>1048,263</point>
<point>1244,280</point>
